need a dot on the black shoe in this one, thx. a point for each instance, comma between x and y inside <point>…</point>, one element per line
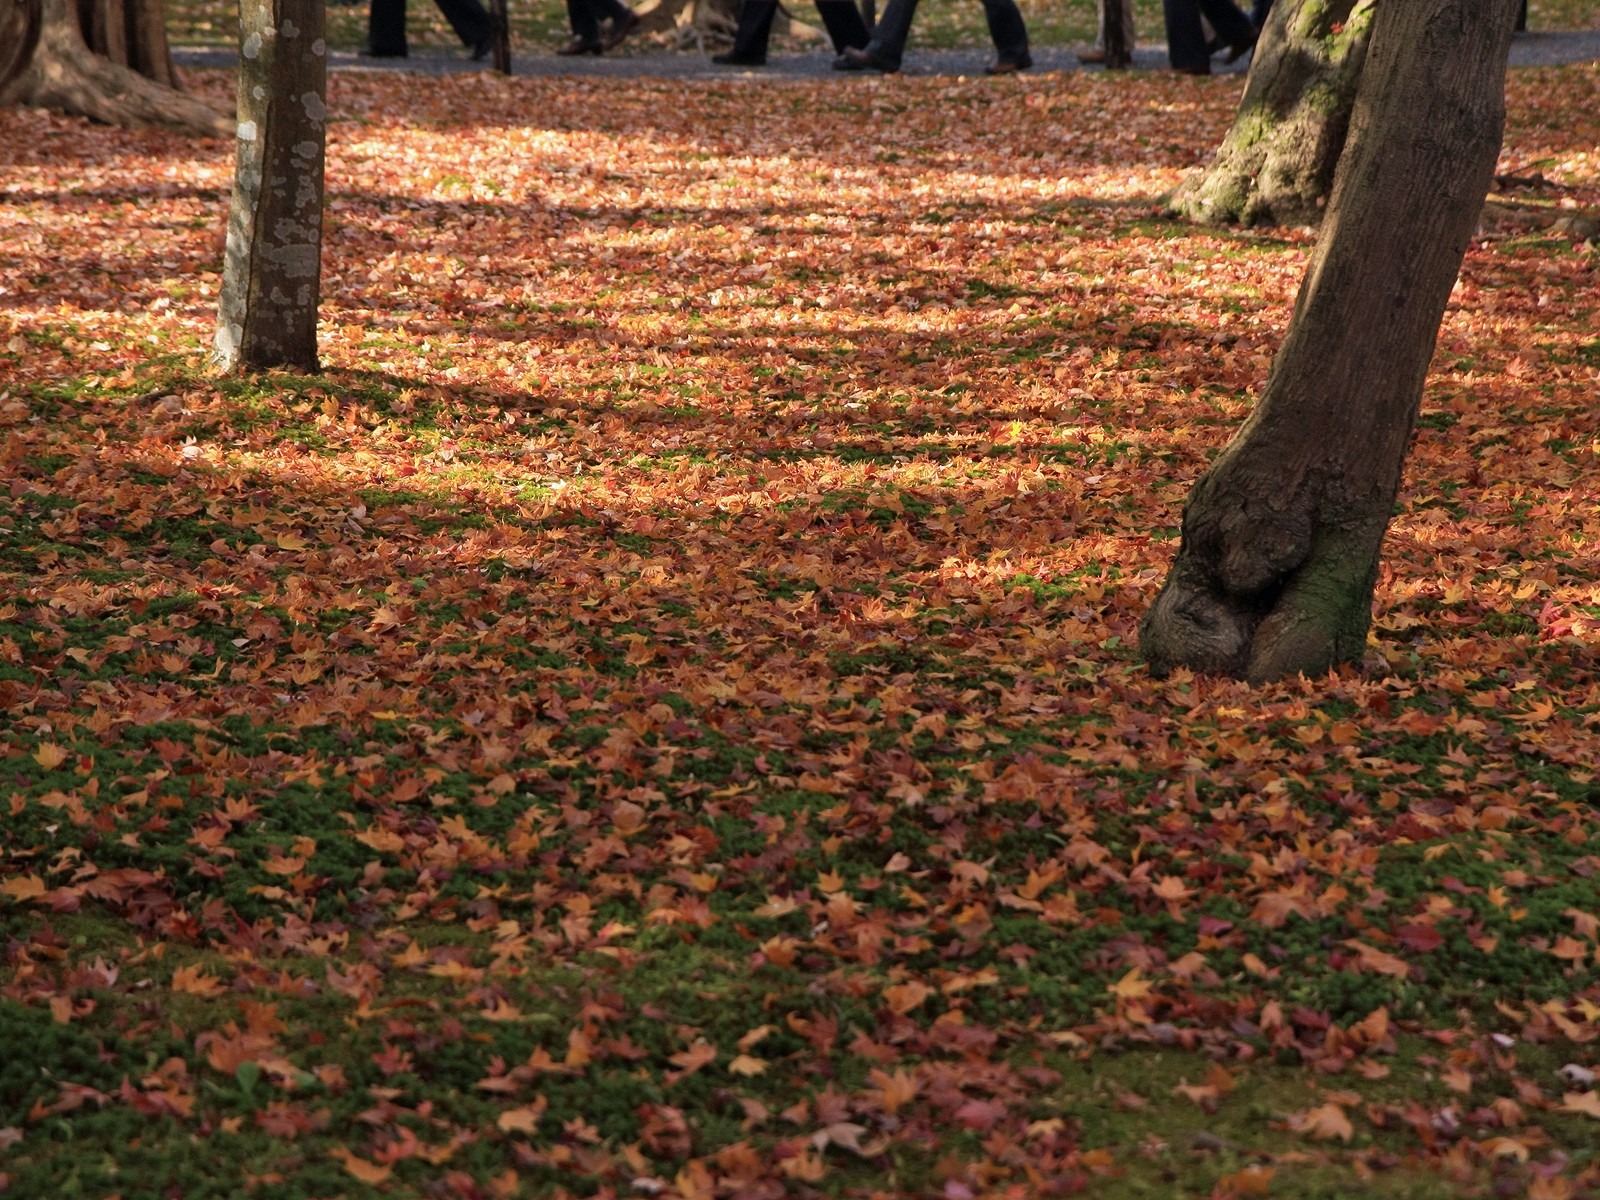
<point>862,60</point>
<point>578,46</point>
<point>620,29</point>
<point>1239,49</point>
<point>1006,66</point>
<point>733,58</point>
<point>1201,69</point>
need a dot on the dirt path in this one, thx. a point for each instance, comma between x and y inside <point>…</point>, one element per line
<point>1529,50</point>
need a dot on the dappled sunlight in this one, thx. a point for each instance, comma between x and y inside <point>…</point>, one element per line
<point>684,639</point>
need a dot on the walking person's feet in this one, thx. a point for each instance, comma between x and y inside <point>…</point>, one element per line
<point>863,59</point>
<point>1008,66</point>
<point>579,46</point>
<point>621,27</point>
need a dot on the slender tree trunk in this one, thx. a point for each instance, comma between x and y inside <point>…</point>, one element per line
<point>1276,164</point>
<point>1114,39</point>
<point>272,269</point>
<point>64,74</point>
<point>1281,536</point>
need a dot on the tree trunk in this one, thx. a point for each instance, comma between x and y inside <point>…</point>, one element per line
<point>1276,164</point>
<point>1281,536</point>
<point>272,268</point>
<point>64,74</point>
<point>19,36</point>
<point>1114,37</point>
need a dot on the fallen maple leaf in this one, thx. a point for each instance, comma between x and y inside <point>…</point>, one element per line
<point>50,756</point>
<point>1325,1122</point>
<point>366,1172</point>
<point>1583,1103</point>
<point>23,887</point>
<point>194,981</point>
<point>524,1119</point>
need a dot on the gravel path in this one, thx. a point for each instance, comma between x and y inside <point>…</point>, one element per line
<point>1529,50</point>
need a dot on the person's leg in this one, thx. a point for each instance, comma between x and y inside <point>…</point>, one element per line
<point>1232,25</point>
<point>845,26</point>
<point>386,29</point>
<point>888,42</point>
<point>751,35</point>
<point>1259,12</point>
<point>1008,32</point>
<point>469,19</point>
<point>1186,41</point>
<point>585,28</point>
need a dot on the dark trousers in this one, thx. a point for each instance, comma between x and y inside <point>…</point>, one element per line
<point>1006,29</point>
<point>585,16</point>
<point>841,18</point>
<point>1186,40</point>
<point>386,24</point>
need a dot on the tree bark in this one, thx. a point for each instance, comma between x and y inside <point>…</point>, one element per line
<point>64,74</point>
<point>19,36</point>
<point>1276,164</point>
<point>1281,536</point>
<point>272,268</point>
<point>1114,37</point>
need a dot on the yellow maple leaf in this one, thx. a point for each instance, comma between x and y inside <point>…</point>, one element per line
<point>23,887</point>
<point>1584,1103</point>
<point>194,981</point>
<point>366,1172</point>
<point>524,1119</point>
<point>1132,986</point>
<point>50,756</point>
<point>745,1064</point>
<point>1326,1122</point>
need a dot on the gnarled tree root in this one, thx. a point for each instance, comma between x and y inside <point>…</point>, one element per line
<point>67,76</point>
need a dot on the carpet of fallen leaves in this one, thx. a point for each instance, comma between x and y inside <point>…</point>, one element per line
<point>658,717</point>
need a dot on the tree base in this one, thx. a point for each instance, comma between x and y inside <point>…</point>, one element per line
<point>67,76</point>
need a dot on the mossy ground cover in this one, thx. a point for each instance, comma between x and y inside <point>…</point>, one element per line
<point>658,715</point>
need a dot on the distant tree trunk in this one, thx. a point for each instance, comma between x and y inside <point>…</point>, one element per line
<point>1114,37</point>
<point>138,89</point>
<point>1281,536</point>
<point>1276,164</point>
<point>272,268</point>
<point>131,33</point>
<point>19,37</point>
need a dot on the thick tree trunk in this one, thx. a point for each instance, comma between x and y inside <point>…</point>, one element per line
<point>272,269</point>
<point>64,74</point>
<point>1276,164</point>
<point>131,33</point>
<point>1281,536</point>
<point>19,37</point>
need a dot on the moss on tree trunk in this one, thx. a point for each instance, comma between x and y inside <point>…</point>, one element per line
<point>1281,536</point>
<point>1276,164</point>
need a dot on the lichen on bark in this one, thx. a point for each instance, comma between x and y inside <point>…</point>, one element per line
<point>1276,163</point>
<point>271,279</point>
